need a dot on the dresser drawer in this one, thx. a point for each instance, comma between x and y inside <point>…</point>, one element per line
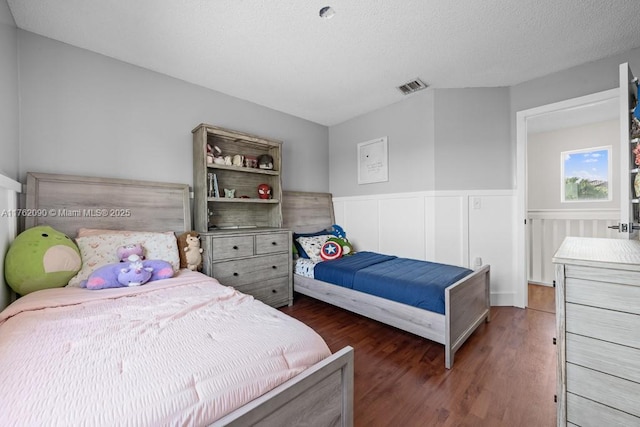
<point>273,292</point>
<point>608,325</point>
<point>615,392</point>
<point>603,356</point>
<point>243,271</point>
<point>587,413</point>
<point>231,247</point>
<point>272,243</point>
<point>601,294</point>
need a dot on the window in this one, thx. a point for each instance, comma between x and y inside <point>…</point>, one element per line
<point>586,175</point>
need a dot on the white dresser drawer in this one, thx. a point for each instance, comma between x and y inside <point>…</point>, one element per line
<point>587,413</point>
<point>608,325</point>
<point>613,296</point>
<point>604,356</point>
<point>612,391</point>
<point>599,274</point>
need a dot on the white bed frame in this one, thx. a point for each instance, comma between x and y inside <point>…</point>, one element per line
<point>467,302</point>
<point>320,396</point>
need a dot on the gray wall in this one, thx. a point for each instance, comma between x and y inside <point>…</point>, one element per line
<point>472,139</point>
<point>544,163</point>
<point>87,114</point>
<point>9,122</point>
<point>451,139</point>
<point>409,127</point>
<point>444,139</point>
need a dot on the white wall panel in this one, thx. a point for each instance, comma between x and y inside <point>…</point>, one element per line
<point>492,238</point>
<point>449,237</point>
<point>450,227</point>
<point>402,227</point>
<point>362,225</point>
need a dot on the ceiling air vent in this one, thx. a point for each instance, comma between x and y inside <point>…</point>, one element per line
<point>412,86</point>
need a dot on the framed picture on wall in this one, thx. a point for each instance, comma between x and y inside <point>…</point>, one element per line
<point>373,165</point>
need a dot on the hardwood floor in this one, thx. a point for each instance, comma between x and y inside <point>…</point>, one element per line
<point>542,298</point>
<point>503,376</point>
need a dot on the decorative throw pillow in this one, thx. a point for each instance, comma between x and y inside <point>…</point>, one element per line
<point>40,258</point>
<point>97,250</point>
<point>298,246</point>
<point>313,245</point>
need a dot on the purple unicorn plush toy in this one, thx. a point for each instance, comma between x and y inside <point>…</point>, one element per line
<point>137,273</point>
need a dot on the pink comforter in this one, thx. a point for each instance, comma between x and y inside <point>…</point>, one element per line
<point>181,351</point>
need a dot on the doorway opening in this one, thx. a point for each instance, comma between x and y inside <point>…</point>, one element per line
<point>573,112</point>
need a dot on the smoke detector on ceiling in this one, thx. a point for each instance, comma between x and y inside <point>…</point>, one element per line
<point>412,86</point>
<point>327,12</point>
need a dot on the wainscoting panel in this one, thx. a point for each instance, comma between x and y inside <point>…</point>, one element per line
<point>548,228</point>
<point>452,227</point>
<point>492,237</point>
<point>447,235</point>
<point>403,227</point>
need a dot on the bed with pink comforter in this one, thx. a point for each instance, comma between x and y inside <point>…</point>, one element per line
<point>181,351</point>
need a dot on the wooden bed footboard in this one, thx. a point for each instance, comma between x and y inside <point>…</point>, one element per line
<point>467,305</point>
<point>320,396</point>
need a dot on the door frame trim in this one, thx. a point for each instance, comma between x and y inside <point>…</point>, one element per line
<point>521,298</point>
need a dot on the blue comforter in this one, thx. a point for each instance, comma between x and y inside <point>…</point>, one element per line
<point>409,281</point>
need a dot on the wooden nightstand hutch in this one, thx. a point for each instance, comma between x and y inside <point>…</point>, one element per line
<point>244,243</point>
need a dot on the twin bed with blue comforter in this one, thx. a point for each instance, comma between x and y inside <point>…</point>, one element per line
<point>440,302</point>
<point>417,283</point>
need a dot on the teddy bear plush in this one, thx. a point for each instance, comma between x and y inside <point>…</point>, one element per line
<point>190,251</point>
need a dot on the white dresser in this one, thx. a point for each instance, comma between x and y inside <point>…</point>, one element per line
<point>598,332</point>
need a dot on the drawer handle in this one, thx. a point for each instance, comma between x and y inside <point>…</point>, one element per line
<point>275,291</point>
<point>274,267</point>
<point>274,243</point>
<point>236,274</point>
<point>235,247</point>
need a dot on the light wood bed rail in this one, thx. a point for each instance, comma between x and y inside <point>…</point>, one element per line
<point>320,396</point>
<point>467,302</point>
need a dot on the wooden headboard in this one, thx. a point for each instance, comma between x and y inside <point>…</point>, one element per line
<point>67,203</point>
<point>306,212</point>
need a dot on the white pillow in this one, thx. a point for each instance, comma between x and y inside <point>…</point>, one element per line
<point>312,245</point>
<point>97,250</point>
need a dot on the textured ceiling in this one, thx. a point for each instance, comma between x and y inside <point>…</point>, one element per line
<point>282,55</point>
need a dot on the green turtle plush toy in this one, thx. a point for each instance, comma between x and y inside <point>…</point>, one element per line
<point>41,258</point>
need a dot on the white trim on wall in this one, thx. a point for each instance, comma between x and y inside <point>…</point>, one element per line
<point>9,190</point>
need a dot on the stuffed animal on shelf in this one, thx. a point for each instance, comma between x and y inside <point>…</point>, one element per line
<point>41,258</point>
<point>264,191</point>
<point>265,161</point>
<point>136,273</point>
<point>190,251</point>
